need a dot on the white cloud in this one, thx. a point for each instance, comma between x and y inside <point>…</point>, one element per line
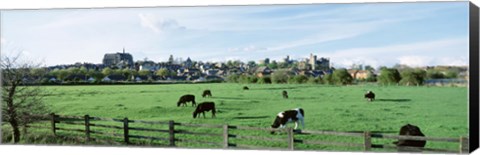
<point>3,41</point>
<point>250,48</point>
<point>437,52</point>
<point>158,24</point>
<point>415,61</point>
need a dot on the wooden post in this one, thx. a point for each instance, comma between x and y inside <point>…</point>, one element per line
<point>52,116</point>
<point>290,138</point>
<point>464,145</point>
<point>125,130</point>
<point>367,140</point>
<point>87,127</point>
<point>171,131</point>
<point>225,136</point>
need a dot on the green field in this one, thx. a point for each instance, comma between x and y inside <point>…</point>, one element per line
<point>438,111</point>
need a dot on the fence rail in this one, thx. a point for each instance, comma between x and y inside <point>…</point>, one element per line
<point>124,127</point>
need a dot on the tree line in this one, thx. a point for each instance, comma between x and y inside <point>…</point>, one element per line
<point>387,76</point>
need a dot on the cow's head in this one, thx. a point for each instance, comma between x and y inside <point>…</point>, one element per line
<point>195,114</point>
<point>197,110</point>
<point>178,103</point>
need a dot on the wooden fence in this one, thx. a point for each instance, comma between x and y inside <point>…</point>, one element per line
<point>227,136</point>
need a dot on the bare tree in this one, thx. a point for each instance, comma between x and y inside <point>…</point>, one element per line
<point>22,97</point>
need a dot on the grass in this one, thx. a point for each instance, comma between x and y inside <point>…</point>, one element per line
<point>438,111</point>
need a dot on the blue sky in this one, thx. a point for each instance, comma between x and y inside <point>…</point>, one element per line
<point>377,34</point>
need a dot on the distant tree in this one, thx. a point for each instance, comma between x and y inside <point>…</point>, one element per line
<point>451,74</point>
<point>144,72</point>
<point>162,72</point>
<point>434,74</point>
<point>281,76</point>
<point>233,78</point>
<point>389,76</point>
<point>328,79</point>
<point>369,68</point>
<point>342,77</point>
<point>83,70</point>
<point>371,77</point>
<point>62,74</point>
<point>20,101</point>
<point>413,77</point>
<point>97,75</point>
<point>38,72</point>
<point>251,63</point>
<point>253,79</point>
<point>107,71</point>
<point>129,73</point>
<point>299,79</point>
<point>264,80</point>
<point>273,65</point>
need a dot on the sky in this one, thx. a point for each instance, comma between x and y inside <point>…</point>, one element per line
<point>376,34</point>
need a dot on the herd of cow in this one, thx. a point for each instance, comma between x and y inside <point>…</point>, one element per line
<point>297,115</point>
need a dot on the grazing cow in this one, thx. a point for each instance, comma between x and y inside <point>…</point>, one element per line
<point>207,93</point>
<point>245,88</point>
<point>285,94</point>
<point>370,96</point>
<point>410,130</point>
<point>186,98</point>
<point>204,106</point>
<point>284,117</point>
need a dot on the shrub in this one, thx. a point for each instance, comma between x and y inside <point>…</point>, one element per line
<point>264,80</point>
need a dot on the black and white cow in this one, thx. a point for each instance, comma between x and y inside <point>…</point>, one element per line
<point>370,96</point>
<point>284,117</point>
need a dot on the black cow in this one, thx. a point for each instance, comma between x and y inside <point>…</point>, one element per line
<point>410,130</point>
<point>245,88</point>
<point>284,117</point>
<point>285,94</point>
<point>370,96</point>
<point>204,106</point>
<point>186,98</point>
<point>207,93</point>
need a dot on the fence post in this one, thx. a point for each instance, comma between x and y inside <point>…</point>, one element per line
<point>367,140</point>
<point>290,138</point>
<point>52,116</point>
<point>225,136</point>
<point>464,145</point>
<point>125,130</point>
<point>171,131</point>
<point>87,127</point>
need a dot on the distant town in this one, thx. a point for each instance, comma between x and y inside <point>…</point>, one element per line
<point>118,67</point>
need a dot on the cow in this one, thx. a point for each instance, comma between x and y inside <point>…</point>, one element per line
<point>207,93</point>
<point>410,130</point>
<point>245,88</point>
<point>204,106</point>
<point>186,98</point>
<point>284,117</point>
<point>370,96</point>
<point>285,94</point>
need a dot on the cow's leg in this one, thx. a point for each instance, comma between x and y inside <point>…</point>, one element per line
<point>303,124</point>
<point>203,114</point>
<point>296,125</point>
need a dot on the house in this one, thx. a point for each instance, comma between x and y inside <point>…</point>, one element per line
<point>358,74</point>
<point>263,71</point>
<point>91,79</point>
<point>211,71</point>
